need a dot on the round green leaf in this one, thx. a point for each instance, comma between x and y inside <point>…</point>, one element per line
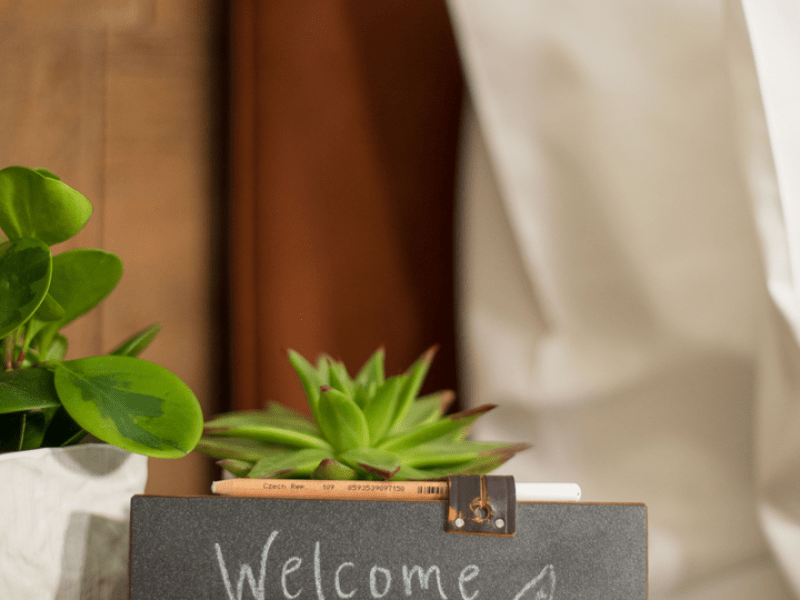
<point>49,310</point>
<point>25,272</point>
<point>36,204</point>
<point>131,403</point>
<point>57,350</point>
<point>82,278</point>
<point>46,173</point>
<point>26,389</point>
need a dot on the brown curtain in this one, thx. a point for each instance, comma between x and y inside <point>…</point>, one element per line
<point>344,125</point>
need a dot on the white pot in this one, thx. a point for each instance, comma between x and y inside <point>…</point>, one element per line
<point>64,522</point>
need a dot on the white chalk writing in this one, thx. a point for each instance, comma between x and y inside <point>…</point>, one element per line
<point>541,587</point>
<point>290,566</point>
<point>338,583</point>
<point>373,581</point>
<point>424,580</point>
<point>468,573</point>
<point>245,572</point>
<point>417,581</point>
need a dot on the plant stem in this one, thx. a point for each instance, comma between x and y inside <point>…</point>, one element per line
<point>20,358</point>
<point>8,351</point>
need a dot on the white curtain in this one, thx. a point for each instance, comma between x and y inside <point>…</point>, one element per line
<point>630,268</point>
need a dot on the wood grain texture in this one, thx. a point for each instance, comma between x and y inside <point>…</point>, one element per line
<point>113,96</point>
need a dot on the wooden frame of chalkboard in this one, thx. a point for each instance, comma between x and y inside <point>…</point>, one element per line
<point>227,548</point>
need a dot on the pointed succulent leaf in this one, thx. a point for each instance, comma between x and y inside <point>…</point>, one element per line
<point>382,431</point>
<point>406,473</point>
<point>442,453</point>
<point>131,403</point>
<point>274,415</point>
<point>323,370</point>
<point>341,421</point>
<point>372,388</point>
<point>441,428</point>
<point>281,411</point>
<point>273,425</point>
<point>437,454</point>
<point>237,448</point>
<point>27,389</point>
<point>136,344</point>
<point>372,370</point>
<point>478,466</point>
<point>360,396</point>
<point>328,468</point>
<point>381,407</point>
<point>340,379</point>
<point>310,379</point>
<point>298,464</point>
<point>484,464</point>
<point>416,376</point>
<point>425,410</point>
<point>376,462</point>
<point>236,467</point>
<point>269,434</point>
<point>36,204</point>
<point>25,275</point>
<point>276,410</point>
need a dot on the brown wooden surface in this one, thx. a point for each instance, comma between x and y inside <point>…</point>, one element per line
<point>115,97</point>
<point>344,121</point>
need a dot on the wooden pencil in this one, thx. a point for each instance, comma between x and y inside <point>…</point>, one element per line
<point>416,491</point>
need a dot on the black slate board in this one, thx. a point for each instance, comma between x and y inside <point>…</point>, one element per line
<point>197,549</point>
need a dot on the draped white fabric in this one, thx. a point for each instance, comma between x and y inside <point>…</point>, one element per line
<point>629,268</point>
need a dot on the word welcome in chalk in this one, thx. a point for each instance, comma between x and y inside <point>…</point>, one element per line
<point>347,580</point>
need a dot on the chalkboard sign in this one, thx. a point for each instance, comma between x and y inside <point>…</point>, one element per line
<point>218,548</point>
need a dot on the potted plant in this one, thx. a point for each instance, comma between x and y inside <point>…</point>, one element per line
<point>49,404</point>
<point>259,537</point>
<point>368,427</point>
<point>384,537</point>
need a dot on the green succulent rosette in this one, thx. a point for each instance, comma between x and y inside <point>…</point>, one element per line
<point>364,427</point>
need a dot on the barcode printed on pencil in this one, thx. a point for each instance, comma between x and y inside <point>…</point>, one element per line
<point>430,489</point>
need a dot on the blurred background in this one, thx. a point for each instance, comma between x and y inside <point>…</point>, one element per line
<point>273,175</point>
<point>618,270</point>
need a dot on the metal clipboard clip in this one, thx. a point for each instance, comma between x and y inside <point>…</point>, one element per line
<point>482,505</point>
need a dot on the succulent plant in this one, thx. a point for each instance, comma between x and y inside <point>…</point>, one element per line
<point>365,427</point>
